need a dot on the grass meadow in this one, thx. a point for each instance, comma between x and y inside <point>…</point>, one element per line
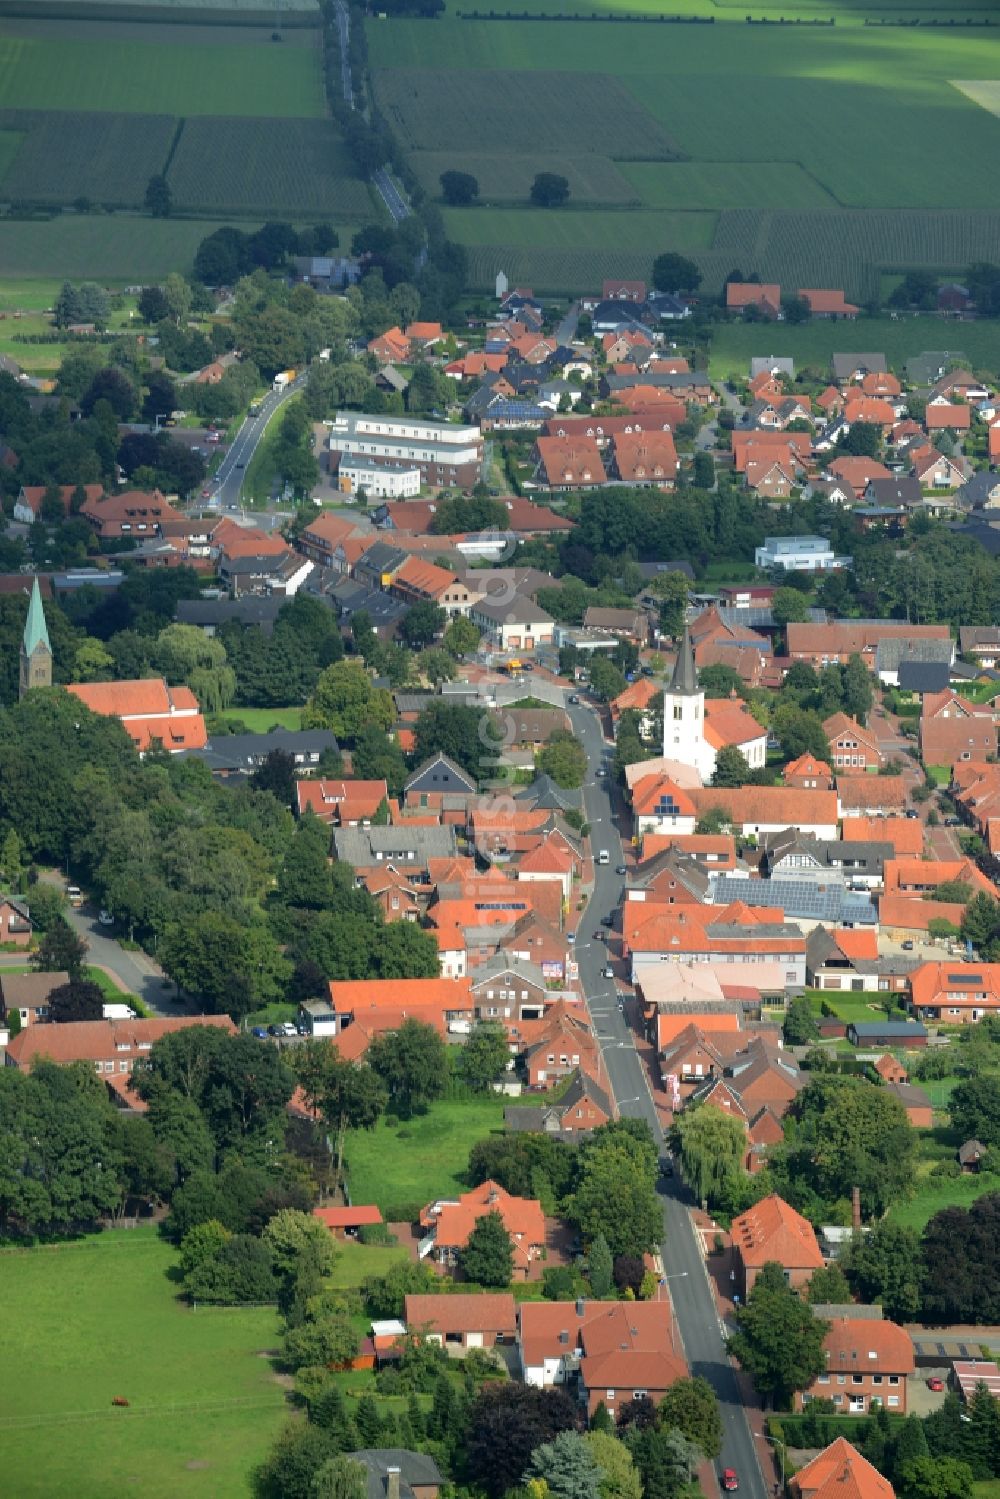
<point>115,249</point>
<point>86,1321</point>
<point>419,1159</point>
<point>733,344</point>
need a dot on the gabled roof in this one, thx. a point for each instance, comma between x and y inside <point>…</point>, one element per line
<point>840,1472</point>
<point>773,1230</point>
<point>461,1313</point>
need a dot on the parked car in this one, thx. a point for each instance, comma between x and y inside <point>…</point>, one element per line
<point>105,917</point>
<point>573,697</point>
<point>607,971</point>
<point>907,946</point>
<point>953,822</point>
<point>74,895</point>
<point>621,869</point>
<point>912,812</point>
<point>601,771</point>
<point>259,1032</point>
<point>288,1029</point>
<point>935,1383</point>
<point>276,1030</point>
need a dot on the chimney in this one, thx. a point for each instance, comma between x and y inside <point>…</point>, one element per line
<point>856,1209</point>
<point>579,1306</point>
<point>392,1483</point>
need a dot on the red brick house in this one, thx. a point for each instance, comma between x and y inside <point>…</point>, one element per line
<point>851,746</point>
<point>772,1231</point>
<point>868,1363</point>
<point>447,1225</point>
<point>837,1471</point>
<point>344,1222</point>
<point>15,921</point>
<point>622,1350</point>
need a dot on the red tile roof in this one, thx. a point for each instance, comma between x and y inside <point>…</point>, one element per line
<point>840,1472</point>
<point>461,1313</point>
<point>348,1217</point>
<point>773,1230</point>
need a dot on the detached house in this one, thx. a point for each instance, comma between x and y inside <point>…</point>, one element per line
<point>851,746</point>
<point>448,1223</point>
<point>606,1352</point>
<point>867,1365</point>
<point>838,1471</point>
<point>773,1231</point>
<point>765,297</point>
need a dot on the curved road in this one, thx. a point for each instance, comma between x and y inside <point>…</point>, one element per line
<point>691,1293</point>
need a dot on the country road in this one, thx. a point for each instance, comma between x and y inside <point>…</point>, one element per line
<point>691,1293</point>
<point>232,470</point>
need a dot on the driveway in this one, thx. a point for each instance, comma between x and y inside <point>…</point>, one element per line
<point>134,972</point>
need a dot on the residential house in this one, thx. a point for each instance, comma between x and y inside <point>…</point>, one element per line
<point>15,921</point>
<point>133,515</point>
<point>918,1106</point>
<point>342,803</point>
<point>27,994</point>
<point>149,711</point>
<point>773,1232</point>
<point>439,785</point>
<point>858,473</point>
<point>837,1471</point>
<point>945,416</point>
<point>514,624</point>
<point>505,987</point>
<point>645,460</point>
<point>851,746</point>
<point>458,1323</point>
<point>411,849</point>
<point>808,774</point>
<point>970,1155</point>
<point>111,1047</point>
<point>448,1223</point>
<point>851,368</point>
<point>905,834</point>
<point>569,463</point>
<point>770,809</point>
<point>610,1353</point>
<point>868,1362</point>
<point>847,960</point>
<point>556,1045</point>
<point>890,1069</point>
<point>955,993</point>
<point>653,934</point>
<point>828,304</point>
<point>625,624</point>
<point>953,728</point>
<point>390,347</point>
<point>865,795</point>
<point>936,470</point>
<point>28,505</point>
<point>395,1473</point>
<point>799,554</point>
<point>584,1106</point>
<point>981,642</point>
<point>765,297</point>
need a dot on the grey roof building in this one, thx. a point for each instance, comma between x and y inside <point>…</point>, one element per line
<point>925,368</point>
<point>250,609</point>
<point>545,795</point>
<point>394,845</point>
<point>396,1473</point>
<point>892,651</point>
<point>845,366</point>
<point>230,754</point>
<point>923,676</point>
<point>821,898</point>
<point>440,775</point>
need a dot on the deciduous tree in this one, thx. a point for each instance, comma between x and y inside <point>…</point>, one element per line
<point>779,1342</point>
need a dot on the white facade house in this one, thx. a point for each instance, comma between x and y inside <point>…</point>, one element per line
<point>513,625</point>
<point>799,554</point>
<point>379,481</point>
<point>684,716</point>
<point>442,452</point>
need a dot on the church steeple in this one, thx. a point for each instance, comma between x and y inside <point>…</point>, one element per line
<point>36,652</point>
<point>685,678</point>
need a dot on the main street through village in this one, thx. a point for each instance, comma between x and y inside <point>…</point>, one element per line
<point>690,1290</point>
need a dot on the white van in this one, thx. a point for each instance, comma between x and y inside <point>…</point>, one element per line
<point>604,857</point>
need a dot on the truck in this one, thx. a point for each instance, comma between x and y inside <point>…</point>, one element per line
<point>283,379</point>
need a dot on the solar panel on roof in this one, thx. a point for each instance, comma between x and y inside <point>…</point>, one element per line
<point>965,978</point>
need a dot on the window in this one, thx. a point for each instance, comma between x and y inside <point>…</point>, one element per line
<point>609,1394</point>
<point>894,1379</point>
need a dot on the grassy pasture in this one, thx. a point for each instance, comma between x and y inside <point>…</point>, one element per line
<point>507,177</point>
<point>240,165</point>
<point>108,158</point>
<point>180,77</point>
<point>259,721</point>
<point>936,1192</point>
<point>734,344</point>
<point>434,107</point>
<point>79,1326</point>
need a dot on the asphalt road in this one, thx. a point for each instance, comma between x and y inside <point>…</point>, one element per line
<point>231,472</point>
<point>390,195</point>
<point>138,973</point>
<point>691,1293</point>
<point>387,190</point>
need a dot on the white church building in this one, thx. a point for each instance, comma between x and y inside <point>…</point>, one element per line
<point>694,730</point>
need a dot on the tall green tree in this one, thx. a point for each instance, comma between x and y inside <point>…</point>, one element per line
<point>412,1063</point>
<point>488,1257</point>
<point>691,1406</point>
<point>778,1341</point>
<point>885,1266</point>
<point>567,1466</point>
<point>348,1095</point>
<point>485,1057</point>
<point>712,1146</point>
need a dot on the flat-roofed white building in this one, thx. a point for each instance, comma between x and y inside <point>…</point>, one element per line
<point>443,453</point>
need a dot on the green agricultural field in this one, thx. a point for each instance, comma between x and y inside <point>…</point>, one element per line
<point>612,229</point>
<point>160,77</point>
<point>421,1158</point>
<point>253,166</point>
<point>773,124</point>
<point>434,107</point>
<point>733,344</point>
<point>86,1321</point>
<point>110,248</point>
<point>506,177</point>
<point>63,156</point>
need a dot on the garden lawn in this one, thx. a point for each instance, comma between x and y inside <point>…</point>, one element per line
<point>259,720</point>
<point>848,1007</point>
<point>423,1158</point>
<point>356,1262</point>
<point>936,1192</point>
<point>87,1321</point>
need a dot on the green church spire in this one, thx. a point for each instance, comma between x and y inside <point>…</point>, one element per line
<point>35,629</point>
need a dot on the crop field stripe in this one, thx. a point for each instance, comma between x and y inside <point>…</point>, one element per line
<point>176,79</point>
<point>239,166</point>
<point>506,177</point>
<point>105,157</point>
